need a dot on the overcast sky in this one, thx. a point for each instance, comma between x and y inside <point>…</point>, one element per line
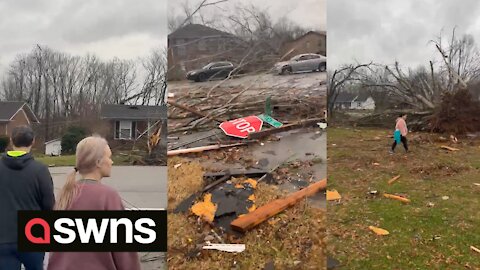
<point>385,31</point>
<point>310,14</point>
<point>126,29</point>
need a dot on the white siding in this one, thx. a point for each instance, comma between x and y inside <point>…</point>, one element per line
<point>53,148</point>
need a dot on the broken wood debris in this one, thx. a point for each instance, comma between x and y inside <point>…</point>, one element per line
<point>249,221</point>
<point>449,148</point>
<point>333,195</point>
<point>378,231</point>
<point>396,197</point>
<point>194,111</point>
<point>201,149</point>
<point>235,248</point>
<point>475,249</point>
<point>393,179</point>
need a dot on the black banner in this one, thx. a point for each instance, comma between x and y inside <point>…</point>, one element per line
<point>92,231</point>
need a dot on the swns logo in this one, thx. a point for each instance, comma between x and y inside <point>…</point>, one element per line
<point>92,231</point>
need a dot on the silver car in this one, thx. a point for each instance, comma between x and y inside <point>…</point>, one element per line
<point>302,62</point>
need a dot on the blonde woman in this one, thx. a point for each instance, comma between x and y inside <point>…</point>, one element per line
<point>93,162</point>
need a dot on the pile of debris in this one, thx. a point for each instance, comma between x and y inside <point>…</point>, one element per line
<point>220,214</point>
<point>458,113</point>
<point>198,109</point>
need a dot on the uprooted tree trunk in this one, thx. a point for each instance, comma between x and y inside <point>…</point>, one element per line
<point>458,113</point>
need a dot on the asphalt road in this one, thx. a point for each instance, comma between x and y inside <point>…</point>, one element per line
<point>313,81</point>
<point>139,186</point>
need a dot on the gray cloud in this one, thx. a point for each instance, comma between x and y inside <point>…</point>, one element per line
<point>109,28</point>
<point>385,31</point>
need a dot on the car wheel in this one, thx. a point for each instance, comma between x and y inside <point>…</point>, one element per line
<point>201,77</point>
<point>322,67</point>
<point>286,70</point>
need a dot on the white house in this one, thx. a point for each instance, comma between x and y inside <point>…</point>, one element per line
<point>53,147</point>
<point>351,101</point>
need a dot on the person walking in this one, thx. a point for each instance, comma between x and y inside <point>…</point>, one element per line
<point>93,162</point>
<point>400,134</point>
<point>25,184</point>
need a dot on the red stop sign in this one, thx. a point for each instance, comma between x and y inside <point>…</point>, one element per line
<point>241,127</point>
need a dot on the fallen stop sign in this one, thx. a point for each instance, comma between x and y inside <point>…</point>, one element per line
<point>241,127</point>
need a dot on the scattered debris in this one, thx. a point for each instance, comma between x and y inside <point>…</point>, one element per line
<point>373,192</point>
<point>249,221</point>
<point>376,164</point>
<point>253,172</point>
<point>322,125</point>
<point>235,248</point>
<point>205,209</point>
<point>333,195</point>
<point>201,149</point>
<point>301,124</point>
<point>176,166</point>
<point>449,148</point>
<point>445,198</point>
<point>475,249</point>
<point>430,204</point>
<point>396,197</point>
<point>393,179</point>
<point>477,184</point>
<point>378,231</point>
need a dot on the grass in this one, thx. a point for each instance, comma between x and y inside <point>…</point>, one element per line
<point>293,239</point>
<point>69,160</point>
<point>422,236</point>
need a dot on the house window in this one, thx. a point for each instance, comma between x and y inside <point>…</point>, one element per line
<point>125,130</point>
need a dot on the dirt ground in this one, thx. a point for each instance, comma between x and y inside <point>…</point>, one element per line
<point>434,231</point>
<point>293,239</point>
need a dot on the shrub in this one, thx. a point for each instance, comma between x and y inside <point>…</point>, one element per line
<point>71,138</point>
<point>4,141</point>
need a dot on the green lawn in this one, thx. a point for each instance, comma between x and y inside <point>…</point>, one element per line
<point>428,233</point>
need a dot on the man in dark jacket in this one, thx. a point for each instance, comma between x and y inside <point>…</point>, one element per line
<point>25,184</point>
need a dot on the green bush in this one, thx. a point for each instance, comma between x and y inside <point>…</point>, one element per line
<point>4,141</point>
<point>71,139</point>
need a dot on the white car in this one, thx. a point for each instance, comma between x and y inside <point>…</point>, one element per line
<point>302,62</point>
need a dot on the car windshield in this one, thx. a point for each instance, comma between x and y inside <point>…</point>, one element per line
<point>208,66</point>
<point>295,57</point>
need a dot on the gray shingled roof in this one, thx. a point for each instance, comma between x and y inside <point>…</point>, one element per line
<point>197,31</point>
<point>349,97</point>
<point>9,108</point>
<point>345,97</point>
<point>133,112</point>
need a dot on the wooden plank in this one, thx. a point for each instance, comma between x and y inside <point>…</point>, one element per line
<point>393,179</point>
<point>250,220</point>
<point>200,149</point>
<point>449,148</point>
<point>395,197</point>
<point>301,124</point>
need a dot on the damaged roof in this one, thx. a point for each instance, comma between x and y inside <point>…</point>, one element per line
<point>8,109</point>
<point>133,112</point>
<point>351,97</point>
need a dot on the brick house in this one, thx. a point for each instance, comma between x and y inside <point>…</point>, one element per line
<point>123,124</point>
<point>194,46</point>
<point>15,113</point>
<point>311,42</point>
